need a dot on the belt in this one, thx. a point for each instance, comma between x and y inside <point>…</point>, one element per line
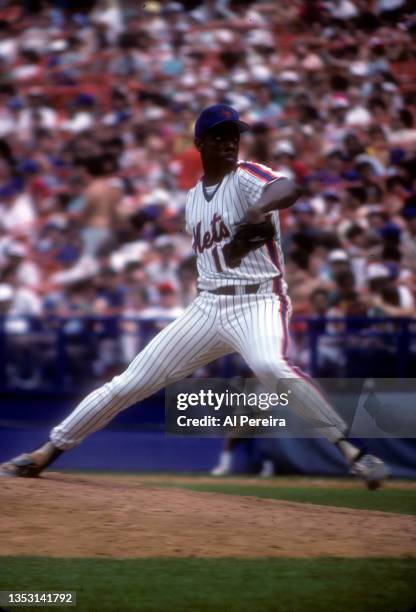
<point>244,289</point>
<point>235,290</point>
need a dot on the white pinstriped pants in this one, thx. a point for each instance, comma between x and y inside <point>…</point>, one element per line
<point>253,325</point>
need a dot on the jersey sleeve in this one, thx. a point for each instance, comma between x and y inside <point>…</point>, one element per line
<point>254,178</point>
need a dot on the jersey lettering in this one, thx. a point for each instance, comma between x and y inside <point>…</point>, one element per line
<point>218,232</point>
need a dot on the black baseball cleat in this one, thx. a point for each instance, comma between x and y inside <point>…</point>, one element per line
<point>22,466</point>
<point>371,469</point>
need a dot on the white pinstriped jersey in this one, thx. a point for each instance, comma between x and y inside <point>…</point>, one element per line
<point>211,221</point>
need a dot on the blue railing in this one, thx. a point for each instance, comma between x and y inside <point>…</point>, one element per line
<point>74,353</point>
<point>362,346</point>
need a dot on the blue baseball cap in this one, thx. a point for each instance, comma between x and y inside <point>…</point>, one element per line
<point>215,115</point>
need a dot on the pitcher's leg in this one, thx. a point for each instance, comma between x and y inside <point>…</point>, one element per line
<point>258,329</point>
<point>175,352</point>
<point>260,335</point>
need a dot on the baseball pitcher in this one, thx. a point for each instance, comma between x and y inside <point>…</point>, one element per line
<point>232,215</point>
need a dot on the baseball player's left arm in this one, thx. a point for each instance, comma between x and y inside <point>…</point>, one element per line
<point>277,195</point>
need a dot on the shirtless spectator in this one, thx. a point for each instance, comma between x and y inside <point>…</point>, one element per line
<point>102,197</point>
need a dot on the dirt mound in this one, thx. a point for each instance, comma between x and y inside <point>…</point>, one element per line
<point>109,516</point>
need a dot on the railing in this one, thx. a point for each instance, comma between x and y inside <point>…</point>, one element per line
<point>75,353</point>
<point>383,347</point>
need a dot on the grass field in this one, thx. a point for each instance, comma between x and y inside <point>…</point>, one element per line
<point>192,584</point>
<point>398,496</point>
<point>389,500</point>
<point>176,585</point>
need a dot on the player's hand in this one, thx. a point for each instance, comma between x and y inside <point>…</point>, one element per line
<point>255,215</point>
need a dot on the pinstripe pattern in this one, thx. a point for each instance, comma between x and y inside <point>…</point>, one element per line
<point>238,191</point>
<point>253,325</point>
<point>213,325</point>
<point>257,328</point>
<point>186,344</point>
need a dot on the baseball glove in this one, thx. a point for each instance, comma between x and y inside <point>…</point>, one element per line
<point>248,237</point>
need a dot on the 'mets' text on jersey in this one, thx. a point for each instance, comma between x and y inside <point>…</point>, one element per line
<point>211,218</point>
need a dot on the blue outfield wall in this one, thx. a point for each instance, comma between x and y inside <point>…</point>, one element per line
<point>135,440</point>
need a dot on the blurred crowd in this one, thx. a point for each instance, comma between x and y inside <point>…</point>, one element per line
<point>97,104</point>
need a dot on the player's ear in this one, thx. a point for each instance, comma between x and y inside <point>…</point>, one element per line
<point>198,143</point>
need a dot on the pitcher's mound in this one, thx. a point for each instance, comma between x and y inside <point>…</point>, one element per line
<point>64,515</point>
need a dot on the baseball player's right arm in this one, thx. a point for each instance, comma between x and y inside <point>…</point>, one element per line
<point>277,195</point>
<point>265,190</point>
